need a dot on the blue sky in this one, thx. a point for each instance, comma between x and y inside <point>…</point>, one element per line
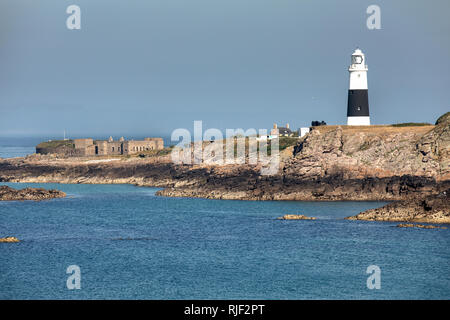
<point>148,67</point>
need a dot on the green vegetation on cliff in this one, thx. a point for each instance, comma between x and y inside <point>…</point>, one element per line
<point>443,118</point>
<point>412,124</point>
<point>52,144</point>
<point>283,143</point>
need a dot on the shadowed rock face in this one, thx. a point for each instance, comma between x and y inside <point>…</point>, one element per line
<point>37,194</point>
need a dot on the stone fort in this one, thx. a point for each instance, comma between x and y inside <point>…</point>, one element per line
<point>90,147</point>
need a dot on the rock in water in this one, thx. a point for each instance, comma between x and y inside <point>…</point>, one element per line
<point>411,225</point>
<point>37,194</point>
<point>296,217</point>
<point>9,239</point>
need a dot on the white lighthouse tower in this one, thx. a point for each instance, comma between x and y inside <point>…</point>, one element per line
<point>358,99</point>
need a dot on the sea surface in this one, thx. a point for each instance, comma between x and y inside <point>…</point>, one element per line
<point>12,147</point>
<point>131,244</point>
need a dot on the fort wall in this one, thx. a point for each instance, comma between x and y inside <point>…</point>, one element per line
<point>89,147</point>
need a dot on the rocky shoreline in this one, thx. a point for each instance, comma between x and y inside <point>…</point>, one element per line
<point>36,194</point>
<point>430,209</point>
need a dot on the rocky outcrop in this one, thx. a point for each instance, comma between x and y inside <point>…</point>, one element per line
<point>295,217</point>
<point>9,239</point>
<point>251,186</point>
<point>423,226</point>
<point>357,153</point>
<point>342,163</point>
<point>37,194</point>
<point>431,209</point>
<point>434,146</point>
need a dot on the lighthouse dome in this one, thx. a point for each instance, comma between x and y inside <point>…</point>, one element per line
<point>358,60</point>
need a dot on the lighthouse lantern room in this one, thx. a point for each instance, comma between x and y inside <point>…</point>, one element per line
<point>358,99</point>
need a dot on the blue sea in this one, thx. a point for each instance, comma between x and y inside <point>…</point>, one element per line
<point>131,244</point>
<point>12,147</point>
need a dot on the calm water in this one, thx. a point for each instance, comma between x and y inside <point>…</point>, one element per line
<point>18,147</point>
<point>207,249</point>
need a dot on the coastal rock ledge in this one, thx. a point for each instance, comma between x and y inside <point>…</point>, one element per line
<point>430,209</point>
<point>37,194</point>
<point>423,226</point>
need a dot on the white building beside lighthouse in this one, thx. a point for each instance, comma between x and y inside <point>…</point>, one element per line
<point>358,99</point>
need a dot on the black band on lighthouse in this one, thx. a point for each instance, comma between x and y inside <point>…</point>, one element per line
<point>358,103</point>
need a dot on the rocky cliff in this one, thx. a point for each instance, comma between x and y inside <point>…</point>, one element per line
<point>341,163</point>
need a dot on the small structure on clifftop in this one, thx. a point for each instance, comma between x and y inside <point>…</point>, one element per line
<point>281,131</point>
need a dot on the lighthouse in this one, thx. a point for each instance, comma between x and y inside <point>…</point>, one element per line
<point>358,99</point>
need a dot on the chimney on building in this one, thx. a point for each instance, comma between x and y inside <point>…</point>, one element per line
<point>274,125</point>
<point>287,125</point>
